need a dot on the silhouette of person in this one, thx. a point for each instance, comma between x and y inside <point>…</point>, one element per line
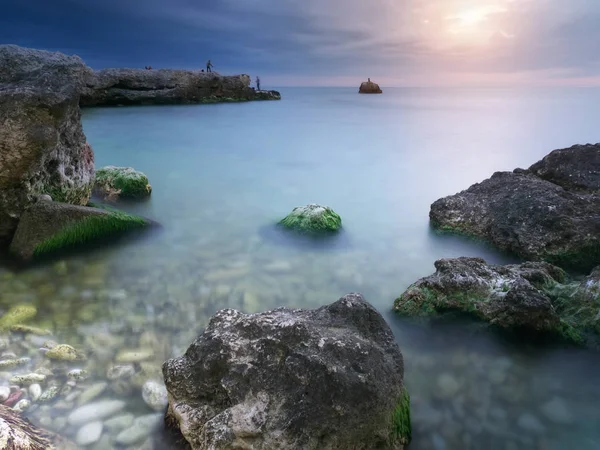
<point>208,66</point>
<point>257,84</point>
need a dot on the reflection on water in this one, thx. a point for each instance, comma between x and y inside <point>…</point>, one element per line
<point>222,177</point>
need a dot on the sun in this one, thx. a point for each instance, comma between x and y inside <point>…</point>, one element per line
<point>471,20</point>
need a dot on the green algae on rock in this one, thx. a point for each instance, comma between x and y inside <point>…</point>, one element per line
<point>50,227</point>
<point>16,315</point>
<point>312,219</point>
<point>401,427</point>
<point>114,182</point>
<point>63,352</point>
<point>532,296</point>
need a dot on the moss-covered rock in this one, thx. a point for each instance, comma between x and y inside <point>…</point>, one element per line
<point>49,227</point>
<point>312,219</point>
<point>17,315</point>
<point>114,182</point>
<point>534,296</point>
<point>63,352</point>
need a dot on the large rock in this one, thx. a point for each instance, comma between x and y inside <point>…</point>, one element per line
<point>165,86</point>
<point>550,212</point>
<point>368,87</point>
<point>17,433</point>
<point>330,378</point>
<point>534,296</point>
<point>48,227</point>
<point>42,146</point>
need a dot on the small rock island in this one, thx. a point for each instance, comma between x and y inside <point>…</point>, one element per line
<point>368,87</point>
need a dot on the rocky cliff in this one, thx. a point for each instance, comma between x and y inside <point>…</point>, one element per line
<point>42,146</point>
<point>161,87</point>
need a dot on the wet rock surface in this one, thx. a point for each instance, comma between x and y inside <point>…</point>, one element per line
<point>534,297</point>
<point>549,212</point>
<point>281,379</point>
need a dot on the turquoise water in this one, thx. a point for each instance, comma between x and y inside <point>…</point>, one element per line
<point>222,175</point>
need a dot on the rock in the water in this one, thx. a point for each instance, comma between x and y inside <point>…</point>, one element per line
<point>557,411</point>
<point>42,146</point>
<point>154,394</point>
<point>330,378</point>
<point>16,315</point>
<point>142,426</point>
<point>49,227</point>
<point>549,212</point>
<point>89,433</point>
<point>35,391</point>
<point>162,87</point>
<point>368,87</point>
<point>17,433</point>
<point>63,352</point>
<point>121,182</point>
<point>531,423</point>
<point>312,219</point>
<point>95,411</point>
<point>533,296</point>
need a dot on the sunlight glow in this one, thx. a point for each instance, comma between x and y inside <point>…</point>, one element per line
<point>471,19</point>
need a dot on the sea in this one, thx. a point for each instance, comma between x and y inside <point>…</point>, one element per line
<point>224,174</point>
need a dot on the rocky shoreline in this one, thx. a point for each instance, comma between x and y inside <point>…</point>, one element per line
<point>121,87</point>
<point>44,153</point>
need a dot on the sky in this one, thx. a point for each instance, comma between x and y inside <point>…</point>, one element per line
<point>326,42</point>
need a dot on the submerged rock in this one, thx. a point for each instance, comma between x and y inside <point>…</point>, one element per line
<point>50,227</point>
<point>549,212</point>
<point>63,352</point>
<point>533,296</point>
<point>121,182</point>
<point>368,87</point>
<point>330,378</point>
<point>312,219</point>
<point>17,433</point>
<point>154,394</point>
<point>16,315</point>
<point>42,146</point>
<point>95,411</point>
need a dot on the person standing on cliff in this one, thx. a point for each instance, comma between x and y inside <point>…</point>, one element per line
<point>208,66</point>
<point>257,84</point>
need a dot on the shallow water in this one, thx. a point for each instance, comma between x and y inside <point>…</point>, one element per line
<point>224,174</point>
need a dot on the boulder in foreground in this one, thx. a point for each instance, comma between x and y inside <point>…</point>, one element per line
<point>42,146</point>
<point>534,297</point>
<point>312,219</point>
<point>121,182</point>
<point>329,378</point>
<point>48,227</point>
<point>550,212</point>
<point>368,87</point>
<point>17,433</point>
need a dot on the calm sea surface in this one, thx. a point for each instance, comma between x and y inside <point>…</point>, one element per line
<point>222,175</point>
